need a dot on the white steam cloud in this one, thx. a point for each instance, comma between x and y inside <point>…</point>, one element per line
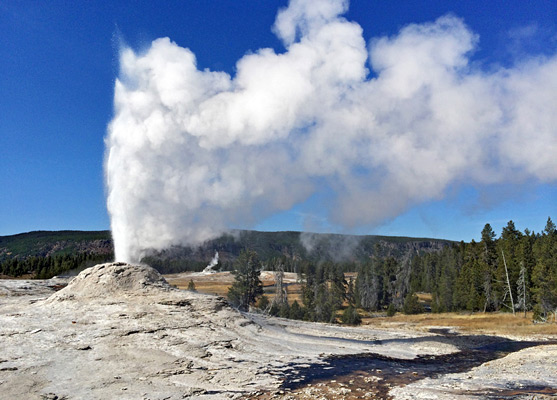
<point>214,261</point>
<point>191,153</point>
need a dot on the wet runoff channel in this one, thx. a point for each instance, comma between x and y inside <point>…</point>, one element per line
<point>371,376</point>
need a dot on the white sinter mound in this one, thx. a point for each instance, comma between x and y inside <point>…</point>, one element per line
<point>113,279</point>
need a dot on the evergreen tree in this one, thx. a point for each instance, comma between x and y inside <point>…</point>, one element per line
<point>247,286</point>
<point>296,311</point>
<point>544,275</point>
<point>449,265</point>
<point>263,303</point>
<point>323,311</point>
<point>391,310</point>
<point>508,266</point>
<point>550,228</point>
<point>350,316</point>
<point>545,292</point>
<point>337,287</point>
<point>488,266</point>
<point>412,305</point>
<point>307,277</point>
<point>389,269</point>
<point>284,310</point>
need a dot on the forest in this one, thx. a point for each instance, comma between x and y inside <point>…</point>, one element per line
<point>516,272</point>
<point>39,267</point>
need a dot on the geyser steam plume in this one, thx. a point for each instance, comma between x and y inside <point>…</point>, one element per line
<point>191,153</point>
<point>214,261</point>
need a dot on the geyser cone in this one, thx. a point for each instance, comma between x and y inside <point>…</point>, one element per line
<point>112,279</point>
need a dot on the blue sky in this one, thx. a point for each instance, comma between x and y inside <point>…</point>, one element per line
<point>59,62</point>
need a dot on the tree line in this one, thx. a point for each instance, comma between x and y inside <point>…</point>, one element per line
<point>46,267</point>
<point>516,272</point>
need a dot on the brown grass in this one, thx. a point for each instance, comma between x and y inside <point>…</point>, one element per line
<point>483,323</point>
<point>478,323</point>
<point>219,283</point>
<point>425,297</point>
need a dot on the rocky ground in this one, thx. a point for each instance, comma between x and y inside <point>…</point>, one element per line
<point>120,331</point>
<point>528,373</point>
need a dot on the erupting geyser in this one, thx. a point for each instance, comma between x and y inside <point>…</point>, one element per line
<point>214,262</point>
<point>191,153</point>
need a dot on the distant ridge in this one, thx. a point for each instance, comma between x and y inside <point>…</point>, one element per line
<point>53,243</point>
<point>292,245</point>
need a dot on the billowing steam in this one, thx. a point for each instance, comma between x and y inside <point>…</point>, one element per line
<point>191,153</point>
<point>209,269</point>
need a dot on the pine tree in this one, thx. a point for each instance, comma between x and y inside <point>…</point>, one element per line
<point>323,311</point>
<point>247,286</point>
<point>550,228</point>
<point>544,275</point>
<point>508,268</point>
<point>489,266</point>
<point>337,285</point>
<point>296,311</point>
<point>307,277</point>
<point>263,303</point>
<point>350,316</point>
<point>412,305</point>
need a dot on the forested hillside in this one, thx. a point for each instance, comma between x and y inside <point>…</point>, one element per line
<point>57,252</point>
<point>345,251</point>
<point>43,254</point>
<point>54,243</point>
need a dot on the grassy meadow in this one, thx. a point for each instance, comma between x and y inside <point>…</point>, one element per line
<point>496,323</point>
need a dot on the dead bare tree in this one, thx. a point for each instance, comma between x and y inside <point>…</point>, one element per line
<point>508,283</point>
<point>522,301</point>
<point>402,283</point>
<point>487,290</point>
<point>281,295</point>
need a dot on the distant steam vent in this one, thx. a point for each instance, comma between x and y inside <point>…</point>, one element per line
<point>214,262</point>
